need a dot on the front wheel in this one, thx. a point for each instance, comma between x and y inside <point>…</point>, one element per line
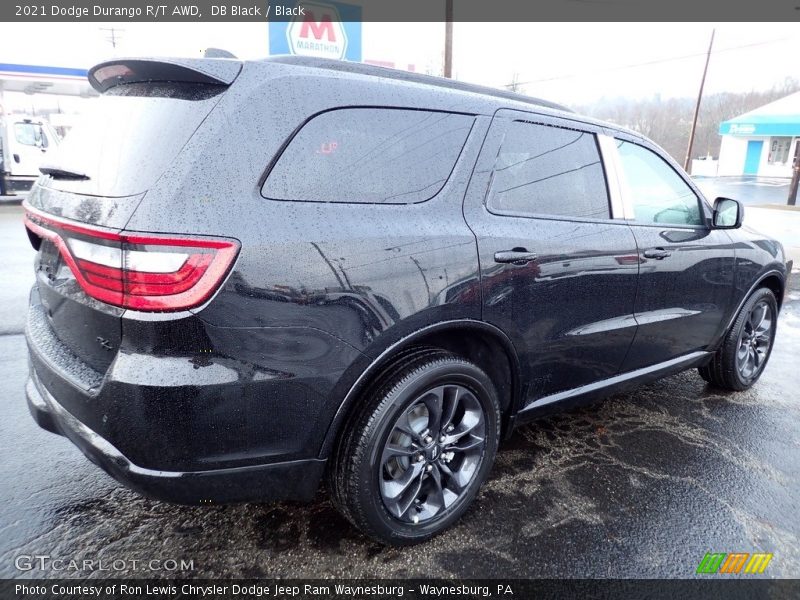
<point>744,353</point>
<point>425,441</point>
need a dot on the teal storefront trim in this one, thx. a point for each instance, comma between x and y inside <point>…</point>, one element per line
<point>762,125</point>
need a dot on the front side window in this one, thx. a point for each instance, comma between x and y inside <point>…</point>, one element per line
<point>779,150</point>
<point>30,134</point>
<point>369,155</point>
<point>658,194</point>
<point>543,170</point>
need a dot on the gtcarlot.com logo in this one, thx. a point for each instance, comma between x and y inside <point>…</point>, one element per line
<point>46,562</point>
<point>734,563</point>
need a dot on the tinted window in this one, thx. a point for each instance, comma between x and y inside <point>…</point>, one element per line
<point>369,155</point>
<point>658,193</point>
<point>544,170</point>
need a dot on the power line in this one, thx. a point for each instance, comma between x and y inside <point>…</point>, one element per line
<point>114,35</point>
<point>653,62</point>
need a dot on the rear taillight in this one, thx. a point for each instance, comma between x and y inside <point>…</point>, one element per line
<point>148,272</point>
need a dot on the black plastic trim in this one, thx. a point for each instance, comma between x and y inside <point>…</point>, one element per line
<point>292,480</point>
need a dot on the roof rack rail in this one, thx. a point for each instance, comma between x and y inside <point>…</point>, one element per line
<point>377,71</point>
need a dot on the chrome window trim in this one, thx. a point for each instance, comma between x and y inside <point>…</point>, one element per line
<point>620,202</point>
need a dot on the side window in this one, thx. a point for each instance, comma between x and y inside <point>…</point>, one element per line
<point>24,133</point>
<point>658,193</point>
<point>548,171</point>
<point>779,150</point>
<point>30,134</point>
<point>369,155</point>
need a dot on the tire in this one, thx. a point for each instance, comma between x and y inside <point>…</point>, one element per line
<point>396,474</point>
<point>742,357</point>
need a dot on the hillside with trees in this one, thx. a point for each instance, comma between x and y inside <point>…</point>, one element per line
<point>668,121</point>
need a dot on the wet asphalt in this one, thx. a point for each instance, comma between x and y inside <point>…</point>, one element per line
<point>641,485</point>
<point>749,190</point>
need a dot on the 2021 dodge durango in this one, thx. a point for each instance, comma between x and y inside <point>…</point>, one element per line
<point>253,276</point>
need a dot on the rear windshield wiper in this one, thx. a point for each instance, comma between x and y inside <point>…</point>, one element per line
<point>59,173</point>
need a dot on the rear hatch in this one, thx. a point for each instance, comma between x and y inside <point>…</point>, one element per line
<point>87,268</point>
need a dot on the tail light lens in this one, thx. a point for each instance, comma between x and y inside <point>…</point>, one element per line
<point>148,272</point>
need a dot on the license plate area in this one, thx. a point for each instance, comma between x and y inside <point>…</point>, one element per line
<point>49,260</point>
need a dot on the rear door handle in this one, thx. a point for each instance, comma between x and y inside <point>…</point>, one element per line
<point>657,253</point>
<point>517,256</point>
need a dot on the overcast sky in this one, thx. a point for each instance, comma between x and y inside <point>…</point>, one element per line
<point>572,63</point>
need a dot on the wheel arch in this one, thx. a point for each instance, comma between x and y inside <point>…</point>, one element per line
<point>773,279</point>
<point>474,340</point>
<point>775,282</point>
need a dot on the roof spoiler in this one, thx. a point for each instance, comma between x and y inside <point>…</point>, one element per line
<point>108,74</point>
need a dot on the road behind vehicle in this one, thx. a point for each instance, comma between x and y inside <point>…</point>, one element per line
<point>251,276</point>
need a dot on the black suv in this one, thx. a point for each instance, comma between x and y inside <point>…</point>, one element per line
<point>253,275</point>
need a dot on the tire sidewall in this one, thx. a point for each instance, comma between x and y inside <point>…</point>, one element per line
<point>758,296</point>
<point>453,371</point>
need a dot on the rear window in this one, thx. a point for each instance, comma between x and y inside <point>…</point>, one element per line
<point>369,155</point>
<point>126,141</point>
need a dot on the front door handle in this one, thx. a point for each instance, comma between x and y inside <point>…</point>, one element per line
<point>657,253</point>
<point>517,256</point>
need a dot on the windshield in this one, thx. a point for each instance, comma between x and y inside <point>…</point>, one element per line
<point>130,136</point>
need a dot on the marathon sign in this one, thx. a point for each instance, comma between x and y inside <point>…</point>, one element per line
<point>318,32</point>
<point>318,29</point>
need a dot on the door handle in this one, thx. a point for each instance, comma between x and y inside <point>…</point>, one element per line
<point>657,253</point>
<point>517,256</point>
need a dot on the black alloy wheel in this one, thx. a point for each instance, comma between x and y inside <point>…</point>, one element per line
<point>744,352</point>
<point>411,463</point>
<point>432,453</point>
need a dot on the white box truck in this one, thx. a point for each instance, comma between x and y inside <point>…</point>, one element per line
<point>26,143</point>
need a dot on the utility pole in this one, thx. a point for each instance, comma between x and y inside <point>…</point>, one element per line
<point>448,39</point>
<point>112,36</point>
<point>687,162</point>
<point>795,176</point>
<point>514,86</point>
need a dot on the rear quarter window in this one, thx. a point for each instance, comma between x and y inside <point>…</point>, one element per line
<point>369,155</point>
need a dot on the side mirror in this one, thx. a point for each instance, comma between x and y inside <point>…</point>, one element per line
<point>728,213</point>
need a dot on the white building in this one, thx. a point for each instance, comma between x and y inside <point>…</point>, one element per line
<point>761,142</point>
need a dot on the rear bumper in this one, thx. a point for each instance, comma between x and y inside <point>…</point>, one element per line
<point>194,427</point>
<point>296,480</point>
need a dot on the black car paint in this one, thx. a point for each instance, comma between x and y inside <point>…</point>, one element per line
<point>558,349</point>
<point>255,385</point>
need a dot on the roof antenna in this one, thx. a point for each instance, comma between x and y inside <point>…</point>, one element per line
<point>217,53</point>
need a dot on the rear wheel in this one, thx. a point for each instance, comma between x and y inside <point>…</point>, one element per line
<point>415,458</point>
<point>744,353</point>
